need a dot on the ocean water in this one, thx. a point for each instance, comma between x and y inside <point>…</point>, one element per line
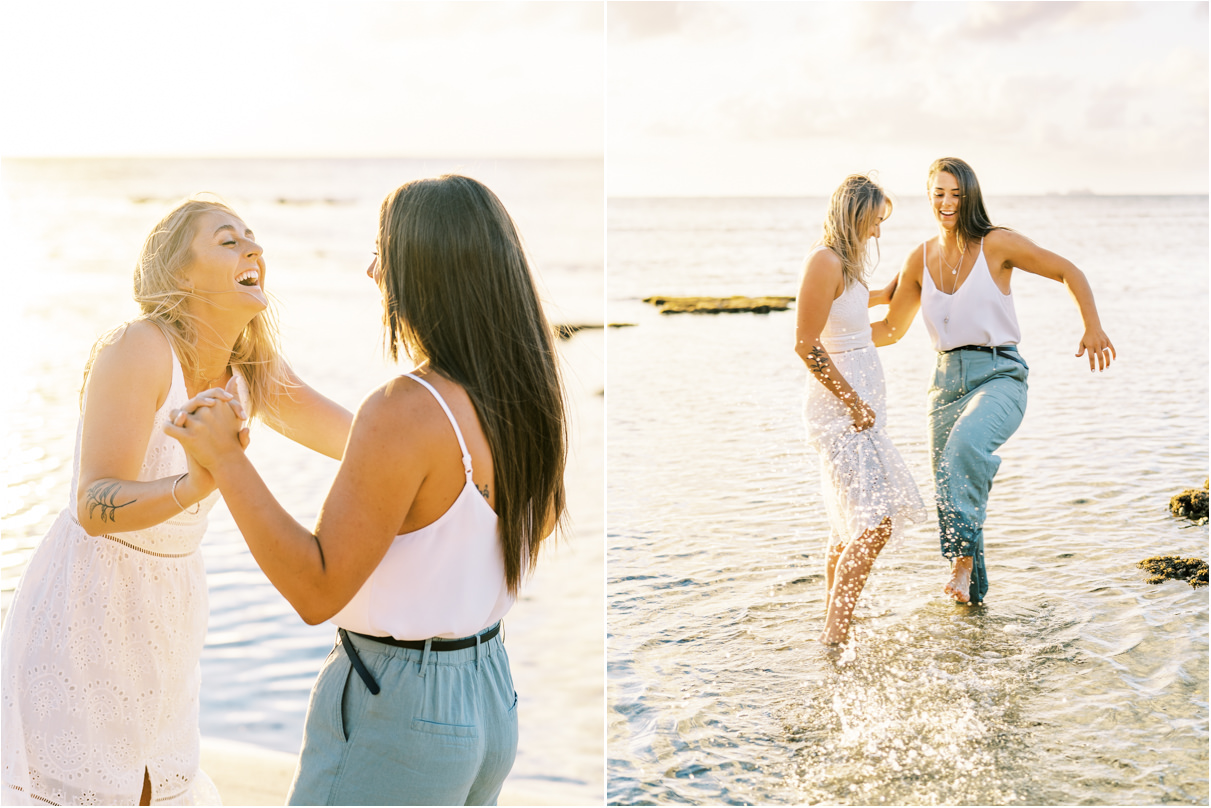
<point>1077,683</point>
<point>75,227</point>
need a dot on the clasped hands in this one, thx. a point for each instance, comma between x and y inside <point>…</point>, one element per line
<point>207,429</point>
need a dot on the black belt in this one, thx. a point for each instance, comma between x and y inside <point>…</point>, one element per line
<point>985,348</point>
<point>418,645</point>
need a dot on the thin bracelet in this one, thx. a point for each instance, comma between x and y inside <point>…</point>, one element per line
<point>179,505</point>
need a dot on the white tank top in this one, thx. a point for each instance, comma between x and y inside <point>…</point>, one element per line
<point>445,580</point>
<point>848,324</point>
<point>977,313</point>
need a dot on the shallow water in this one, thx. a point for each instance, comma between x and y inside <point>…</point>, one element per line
<point>76,226</point>
<point>1076,683</point>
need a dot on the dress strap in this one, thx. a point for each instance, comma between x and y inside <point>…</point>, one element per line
<point>457,432</point>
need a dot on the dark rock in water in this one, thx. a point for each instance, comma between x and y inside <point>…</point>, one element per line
<point>622,325</point>
<point>719,305</point>
<point>1172,568</point>
<point>1191,503</point>
<point>565,332</point>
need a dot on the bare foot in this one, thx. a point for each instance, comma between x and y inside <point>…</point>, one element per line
<point>831,639</point>
<point>959,585</point>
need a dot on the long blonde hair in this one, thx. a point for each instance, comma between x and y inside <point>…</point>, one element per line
<point>161,298</point>
<point>853,210</point>
<point>458,292</point>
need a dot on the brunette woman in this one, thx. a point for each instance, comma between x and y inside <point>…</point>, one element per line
<point>452,477</point>
<point>960,279</point>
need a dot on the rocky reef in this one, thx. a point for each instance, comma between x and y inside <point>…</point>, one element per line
<point>1173,568</point>
<point>719,305</point>
<point>1191,503</point>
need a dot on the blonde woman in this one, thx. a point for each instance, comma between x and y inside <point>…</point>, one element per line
<point>452,478</point>
<point>101,645</point>
<point>868,491</point>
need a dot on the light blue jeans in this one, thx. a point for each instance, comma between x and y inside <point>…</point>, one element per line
<point>976,402</point>
<point>441,731</point>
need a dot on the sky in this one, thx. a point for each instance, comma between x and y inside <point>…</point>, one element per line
<point>304,78</point>
<point>786,99</point>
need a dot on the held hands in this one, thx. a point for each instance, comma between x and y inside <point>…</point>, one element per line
<point>208,431</point>
<point>1101,351</point>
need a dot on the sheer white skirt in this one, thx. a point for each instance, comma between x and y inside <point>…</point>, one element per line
<point>863,477</point>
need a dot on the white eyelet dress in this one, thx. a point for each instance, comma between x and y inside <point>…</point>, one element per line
<point>862,475</point>
<point>100,655</point>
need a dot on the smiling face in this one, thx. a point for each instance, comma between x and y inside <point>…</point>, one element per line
<point>226,266</point>
<point>945,197</point>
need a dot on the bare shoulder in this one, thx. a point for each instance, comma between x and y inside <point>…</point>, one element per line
<point>399,411</point>
<point>1003,239</point>
<point>1007,248</point>
<point>134,357</point>
<point>823,260</point>
<point>399,397</point>
<point>823,273</point>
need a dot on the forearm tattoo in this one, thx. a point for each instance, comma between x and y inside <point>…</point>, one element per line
<point>104,496</point>
<point>818,361</point>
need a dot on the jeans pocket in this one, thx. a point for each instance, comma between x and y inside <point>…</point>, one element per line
<point>348,702</point>
<point>456,733</point>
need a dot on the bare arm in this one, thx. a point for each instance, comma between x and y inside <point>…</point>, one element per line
<point>128,383</point>
<point>905,301</point>
<point>311,419</point>
<point>822,282</point>
<point>1011,249</point>
<point>382,469</point>
<point>881,297</point>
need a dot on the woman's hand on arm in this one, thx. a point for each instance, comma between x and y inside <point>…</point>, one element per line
<point>822,282</point>
<point>311,419</point>
<point>1021,252</point>
<point>881,297</point>
<point>127,384</point>
<point>904,303</point>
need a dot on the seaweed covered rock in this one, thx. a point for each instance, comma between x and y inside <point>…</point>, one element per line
<point>1172,568</point>
<point>1191,503</point>
<point>719,305</point>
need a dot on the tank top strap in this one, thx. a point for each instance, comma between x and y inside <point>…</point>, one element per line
<point>925,266</point>
<point>457,432</point>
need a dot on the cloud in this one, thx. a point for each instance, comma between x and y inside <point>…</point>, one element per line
<point>1006,22</point>
<point>637,21</point>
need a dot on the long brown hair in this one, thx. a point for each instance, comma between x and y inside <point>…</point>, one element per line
<point>852,211</point>
<point>972,222</point>
<point>162,302</point>
<point>458,292</point>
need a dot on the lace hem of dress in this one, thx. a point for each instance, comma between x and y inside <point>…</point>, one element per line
<point>136,547</point>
